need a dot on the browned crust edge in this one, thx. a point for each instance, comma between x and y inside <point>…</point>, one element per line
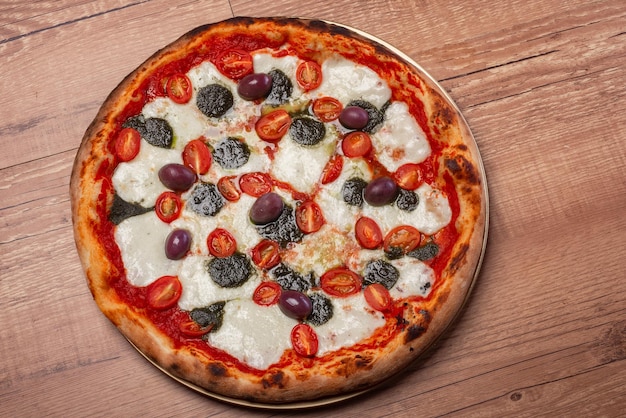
<point>189,365</point>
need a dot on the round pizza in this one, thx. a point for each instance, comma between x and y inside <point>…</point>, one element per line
<point>278,210</point>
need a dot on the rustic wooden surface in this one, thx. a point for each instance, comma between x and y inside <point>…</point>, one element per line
<point>541,83</point>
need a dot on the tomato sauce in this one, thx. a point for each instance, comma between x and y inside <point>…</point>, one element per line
<point>152,87</point>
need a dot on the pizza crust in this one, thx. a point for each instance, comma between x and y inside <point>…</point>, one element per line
<point>349,370</point>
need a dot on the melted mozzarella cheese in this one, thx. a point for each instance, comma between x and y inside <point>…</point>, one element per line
<point>432,213</point>
<point>199,290</point>
<point>185,119</point>
<point>256,335</point>
<point>137,181</point>
<point>400,139</point>
<point>336,211</point>
<point>346,81</point>
<point>352,321</point>
<point>302,166</point>
<point>416,278</point>
<point>142,238</point>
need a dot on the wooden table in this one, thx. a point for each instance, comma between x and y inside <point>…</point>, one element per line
<point>543,86</point>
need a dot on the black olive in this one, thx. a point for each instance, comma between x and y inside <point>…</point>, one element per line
<point>155,131</point>
<point>206,200</point>
<point>407,200</point>
<point>283,230</point>
<point>306,131</point>
<point>281,88</point>
<point>212,314</point>
<point>375,116</point>
<point>425,252</point>
<point>291,280</point>
<point>352,191</point>
<point>380,271</point>
<point>214,100</point>
<point>232,271</point>
<point>322,309</point>
<point>121,210</point>
<point>231,153</point>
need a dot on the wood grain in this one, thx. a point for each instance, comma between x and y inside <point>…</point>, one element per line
<point>542,85</point>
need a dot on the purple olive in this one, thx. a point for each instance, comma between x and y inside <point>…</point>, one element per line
<point>266,209</point>
<point>295,304</point>
<point>177,177</point>
<point>254,86</point>
<point>354,117</point>
<point>177,244</point>
<point>381,191</point>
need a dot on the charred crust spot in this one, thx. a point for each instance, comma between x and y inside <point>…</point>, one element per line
<point>462,169</point>
<point>175,368</point>
<point>413,332</point>
<point>458,258</point>
<point>217,369</point>
<point>363,362</point>
<point>275,379</point>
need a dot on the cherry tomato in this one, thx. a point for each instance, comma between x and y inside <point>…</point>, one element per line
<point>234,63</point>
<point>309,75</point>
<point>403,239</point>
<point>265,254</point>
<point>273,126</point>
<point>164,292</point>
<point>327,108</point>
<point>378,297</point>
<point>368,233</point>
<point>255,184</point>
<point>228,188</point>
<point>304,340</point>
<point>127,144</point>
<point>178,88</point>
<point>341,282</point>
<point>221,243</point>
<point>267,294</point>
<point>197,156</point>
<point>409,176</point>
<point>309,217</point>
<point>356,144</point>
<point>332,170</point>
<point>193,330</point>
<point>168,206</point>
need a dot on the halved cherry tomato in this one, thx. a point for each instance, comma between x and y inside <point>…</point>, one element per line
<point>255,184</point>
<point>402,239</point>
<point>273,126</point>
<point>409,176</point>
<point>178,88</point>
<point>368,233</point>
<point>327,108</point>
<point>356,144</point>
<point>341,282</point>
<point>309,217</point>
<point>228,188</point>
<point>267,294</point>
<point>309,75</point>
<point>266,254</point>
<point>193,330</point>
<point>127,144</point>
<point>304,340</point>
<point>221,243</point>
<point>197,156</point>
<point>378,297</point>
<point>234,63</point>
<point>168,206</point>
<point>164,292</point>
<point>332,170</point>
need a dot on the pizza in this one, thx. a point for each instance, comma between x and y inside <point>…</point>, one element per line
<point>279,210</point>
